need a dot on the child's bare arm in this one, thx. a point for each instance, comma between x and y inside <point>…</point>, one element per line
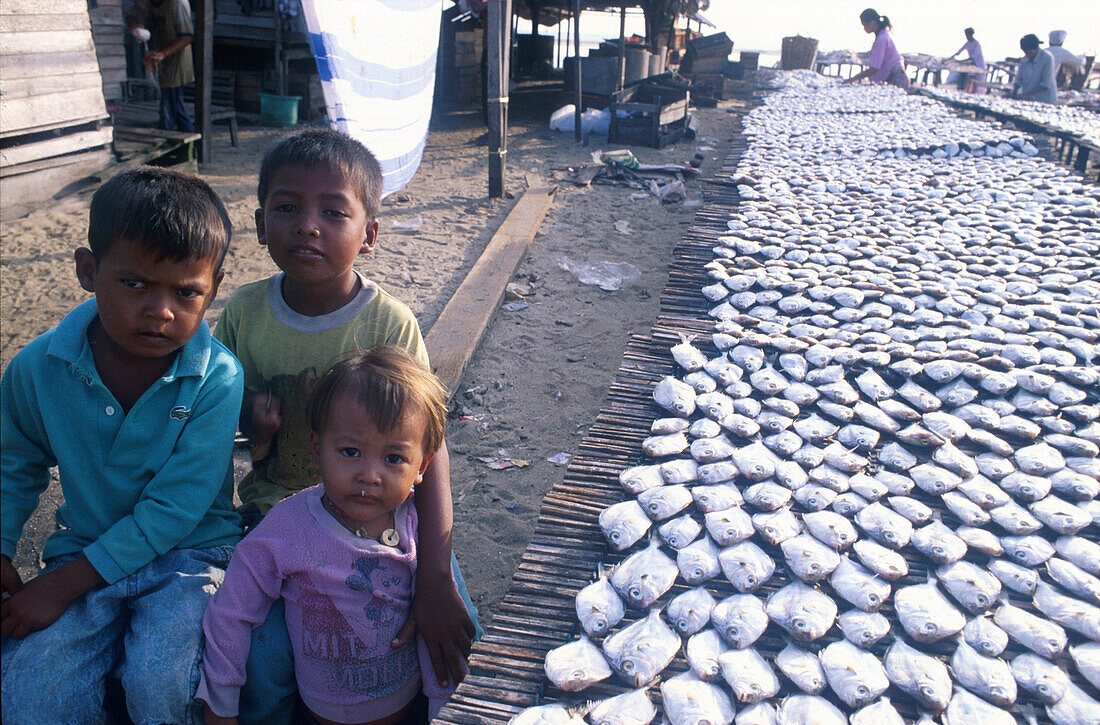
<point>260,416</point>
<point>437,608</point>
<point>10,581</point>
<point>42,600</point>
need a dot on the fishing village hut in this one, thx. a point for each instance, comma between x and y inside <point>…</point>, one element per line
<point>54,126</point>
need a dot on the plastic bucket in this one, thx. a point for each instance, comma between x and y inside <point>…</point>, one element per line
<point>279,110</point>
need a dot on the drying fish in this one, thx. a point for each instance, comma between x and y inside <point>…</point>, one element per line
<point>933,479</point>
<point>803,611</point>
<point>629,708</point>
<point>859,586</point>
<point>808,558</point>
<point>809,710</point>
<point>1068,611</point>
<point>679,470</point>
<point>1030,551</point>
<point>926,614</point>
<point>972,587</point>
<point>1087,659</point>
<point>791,475</point>
<point>889,565</point>
<point>702,651</point>
<point>624,524</point>
<point>748,675</point>
<point>688,700</point>
<point>849,504</point>
<point>755,462</point>
<point>640,651</point>
<point>767,496</point>
<point>1039,676</point>
<point>1015,519</point>
<point>939,543</point>
<point>701,382</point>
<point>644,576</point>
<point>555,714</point>
<point>576,665</point>
<point>1017,578</point>
<point>871,489</point>
<point>921,676</point>
<point>1062,517</point>
<point>698,561</point>
<point>716,497</point>
<point>687,355</point>
<point>855,675</point>
<point>831,529</point>
<point>802,668</point>
<point>674,396</point>
<point>863,629</point>
<point>690,611</point>
<point>715,473</point>
<point>760,713</point>
<point>965,509</point>
<point>1074,579</point>
<point>916,512</point>
<point>598,607</point>
<point>987,677</point>
<point>664,426</point>
<point>777,526</point>
<point>666,445</point>
<point>1080,551</point>
<point>885,526</point>
<point>980,540</point>
<point>680,531</point>
<point>983,492</point>
<point>728,526</point>
<point>641,478</point>
<point>1039,635</point>
<point>967,709</point>
<point>739,619</point>
<point>711,450</point>
<point>985,636</point>
<point>665,502</point>
<point>746,566</point>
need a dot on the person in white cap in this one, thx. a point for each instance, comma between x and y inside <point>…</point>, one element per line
<point>1064,62</point>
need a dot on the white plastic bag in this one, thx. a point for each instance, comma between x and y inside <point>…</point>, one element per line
<point>608,276</point>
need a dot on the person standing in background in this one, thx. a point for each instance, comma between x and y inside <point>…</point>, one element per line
<point>169,22</point>
<point>1035,74</point>
<point>1066,64</point>
<point>968,81</point>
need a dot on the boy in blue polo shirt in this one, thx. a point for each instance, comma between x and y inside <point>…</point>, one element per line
<point>136,404</point>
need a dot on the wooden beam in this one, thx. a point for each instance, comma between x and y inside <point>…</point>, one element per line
<point>496,92</point>
<point>577,70</point>
<point>204,77</point>
<point>454,337</point>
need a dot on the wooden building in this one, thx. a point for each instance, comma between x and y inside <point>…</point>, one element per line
<point>54,126</point>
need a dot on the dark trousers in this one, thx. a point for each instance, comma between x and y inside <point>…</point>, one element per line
<point>173,114</point>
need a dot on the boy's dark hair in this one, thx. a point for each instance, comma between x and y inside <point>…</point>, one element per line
<point>1030,42</point>
<point>969,32</point>
<point>324,146</point>
<point>175,216</point>
<point>387,382</point>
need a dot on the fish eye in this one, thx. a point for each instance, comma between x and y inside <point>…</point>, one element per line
<point>628,666</point>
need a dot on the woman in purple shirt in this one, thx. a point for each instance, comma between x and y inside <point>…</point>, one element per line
<point>885,64</point>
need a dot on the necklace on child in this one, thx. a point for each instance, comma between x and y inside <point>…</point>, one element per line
<point>389,537</point>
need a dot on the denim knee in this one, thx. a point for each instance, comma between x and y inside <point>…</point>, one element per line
<point>270,689</point>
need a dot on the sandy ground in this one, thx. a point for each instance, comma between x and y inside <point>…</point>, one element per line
<point>540,375</point>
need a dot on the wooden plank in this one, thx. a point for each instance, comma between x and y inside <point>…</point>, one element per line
<point>13,88</point>
<point>60,41</point>
<point>40,65</point>
<point>55,146</point>
<point>451,341</point>
<point>133,133</point>
<point>21,191</point>
<point>48,110</point>
<point>43,23</point>
<point>43,7</point>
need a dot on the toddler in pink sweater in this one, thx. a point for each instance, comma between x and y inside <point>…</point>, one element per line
<point>342,554</point>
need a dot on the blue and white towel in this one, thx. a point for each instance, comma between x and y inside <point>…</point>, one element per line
<point>376,59</point>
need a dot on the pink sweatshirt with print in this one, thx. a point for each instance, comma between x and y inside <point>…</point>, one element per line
<point>346,598</point>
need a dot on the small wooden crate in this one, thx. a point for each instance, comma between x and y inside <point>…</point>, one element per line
<point>655,115</point>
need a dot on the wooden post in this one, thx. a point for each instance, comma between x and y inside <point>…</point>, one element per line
<point>204,77</point>
<point>577,70</point>
<point>498,35</point>
<point>619,78</point>
<point>280,67</point>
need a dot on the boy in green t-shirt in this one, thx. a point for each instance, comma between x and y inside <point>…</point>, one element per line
<point>320,195</point>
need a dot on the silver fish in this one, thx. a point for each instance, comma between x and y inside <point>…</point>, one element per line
<point>702,651</point>
<point>598,607</point>
<point>829,477</point>
<point>688,700</point>
<point>926,614</point>
<point>885,526</point>
<point>830,528</point>
<point>624,524</point>
<point>803,611</point>
<point>933,479</point>
<point>641,478</point>
<point>965,509</point>
<point>690,611</point>
<point>748,675</point>
<point>848,504</point>
<point>1076,484</point>
<point>739,424</point>
<point>746,566</point>
<point>939,543</point>
<point>867,487</point>
<point>715,405</point>
<point>983,492</point>
<point>859,586</point>
<point>755,462</point>
<point>576,665</point>
<point>720,472</point>
<point>1042,678</point>
<point>777,526</point>
<point>644,576</point>
<point>895,456</point>
<point>863,629</point>
<point>748,358</point>
<point>711,450</point>
<point>980,540</point>
<point>921,676</point>
<point>1041,636</point>
<point>642,650</point>
<point>808,558</point>
<point>728,526</point>
<point>1074,579</point>
<point>664,426</point>
<point>701,382</point>
<point>674,396</point>
<point>790,474</point>
<point>855,675</point>
<point>889,565</point>
<point>895,483</point>
<point>985,636</point>
<point>1015,577</point>
<point>740,619</point>
<point>987,677</point>
<point>1030,551</point>
<point>802,668</point>
<point>1061,516</point>
<point>1080,551</point>
<point>947,426</point>
<point>1067,611</point>
<point>679,470</point>
<point>680,531</point>
<point>555,714</point>
<point>664,502</point>
<point>814,497</point>
<point>687,355</point>
<point>1087,659</point>
<point>877,713</point>
<point>967,709</point>
<point>767,496</point>
<point>629,708</point>
<point>972,587</point>
<point>1040,459</point>
<point>809,710</point>
<point>666,445</point>
<point>716,497</point>
<point>698,561</point>
<point>1015,519</point>
<point>916,512</point>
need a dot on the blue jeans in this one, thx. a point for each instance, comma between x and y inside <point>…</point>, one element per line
<point>173,112</point>
<point>270,690</point>
<point>146,629</point>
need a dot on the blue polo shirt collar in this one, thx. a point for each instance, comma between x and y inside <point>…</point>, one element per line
<point>70,343</point>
